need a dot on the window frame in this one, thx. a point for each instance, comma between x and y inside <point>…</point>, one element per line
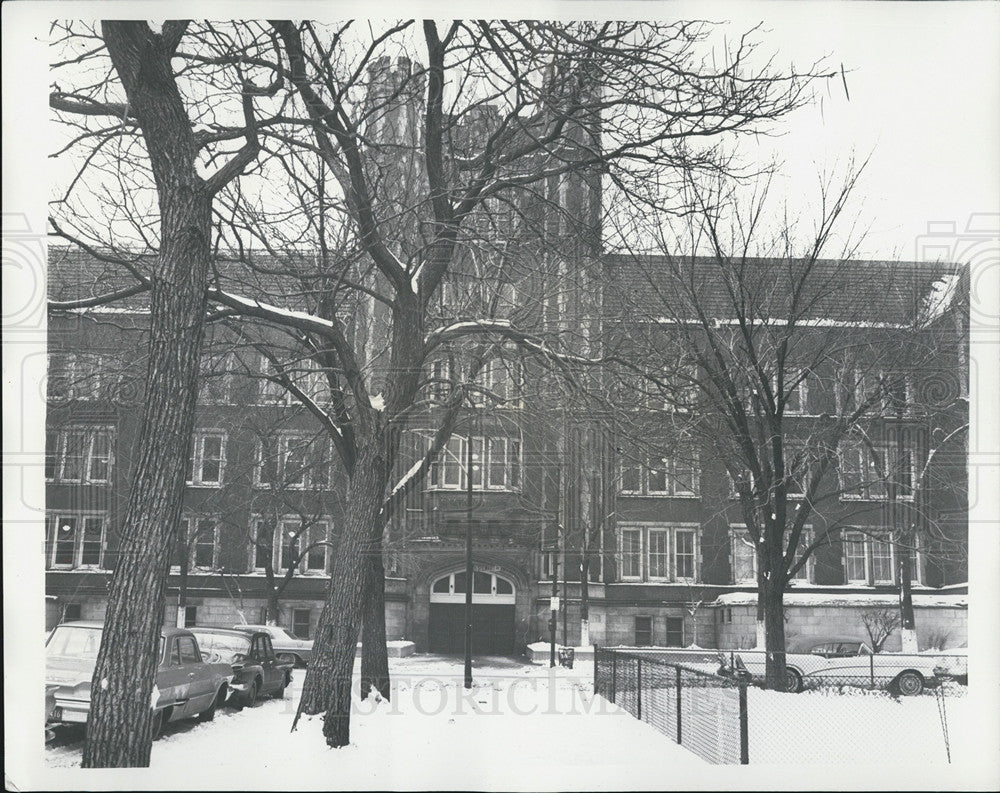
<point>89,433</point>
<point>644,470</point>
<point>56,517</point>
<point>191,541</point>
<point>643,530</point>
<point>197,462</point>
<point>281,443</point>
<point>447,471</point>
<point>868,539</point>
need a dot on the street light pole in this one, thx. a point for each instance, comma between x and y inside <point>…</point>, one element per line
<point>468,560</point>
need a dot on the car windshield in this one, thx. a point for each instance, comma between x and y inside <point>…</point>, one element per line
<point>74,641</point>
<point>222,648</point>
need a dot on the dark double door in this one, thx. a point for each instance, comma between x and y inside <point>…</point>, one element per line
<point>492,629</point>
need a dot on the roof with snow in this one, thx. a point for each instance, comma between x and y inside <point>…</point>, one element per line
<point>935,599</point>
<point>883,293</point>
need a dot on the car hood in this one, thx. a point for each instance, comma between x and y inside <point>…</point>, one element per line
<point>68,670</point>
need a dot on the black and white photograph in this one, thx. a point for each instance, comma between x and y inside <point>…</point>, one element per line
<point>564,396</point>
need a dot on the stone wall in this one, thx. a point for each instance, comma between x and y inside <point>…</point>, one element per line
<point>736,626</point>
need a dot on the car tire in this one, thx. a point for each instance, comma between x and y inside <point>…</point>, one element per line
<point>209,713</point>
<point>157,727</point>
<point>793,682</point>
<point>250,699</point>
<point>909,683</point>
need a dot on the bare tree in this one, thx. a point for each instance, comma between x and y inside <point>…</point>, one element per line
<point>742,344</point>
<point>880,623</point>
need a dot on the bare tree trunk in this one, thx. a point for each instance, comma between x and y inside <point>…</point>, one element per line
<point>774,629</point>
<point>327,686</point>
<point>119,733</point>
<point>374,652</point>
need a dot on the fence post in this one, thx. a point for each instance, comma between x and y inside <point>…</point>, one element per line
<point>597,651</point>
<point>678,670</point>
<point>744,725</point>
<point>614,677</point>
<point>871,670</point>
<point>638,688</point>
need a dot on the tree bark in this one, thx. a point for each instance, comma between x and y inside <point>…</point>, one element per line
<point>374,652</point>
<point>773,595</point>
<point>327,686</point>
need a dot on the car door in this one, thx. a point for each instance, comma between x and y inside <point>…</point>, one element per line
<point>200,682</point>
<point>171,681</point>
<point>262,652</point>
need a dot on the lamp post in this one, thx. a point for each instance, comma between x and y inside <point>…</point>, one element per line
<point>468,560</point>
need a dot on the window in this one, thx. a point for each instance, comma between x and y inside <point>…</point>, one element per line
<point>661,476</point>
<point>79,454</point>
<point>208,459</point>
<point>270,391</point>
<point>201,537</point>
<point>187,650</point>
<point>886,392</point>
<point>643,631</point>
<point>190,616</point>
<point>675,631</point>
<point>868,471</point>
<point>659,559</point>
<point>79,376</point>
<point>796,391</point>
<point>744,557</point>
<point>305,545</point>
<point>216,376</point>
<point>498,459</point>
<point>72,612</point>
<point>871,558</point>
<point>293,461</point>
<point>631,553</point>
<point>77,541</point>
<point>658,553</point>
<point>300,623</point>
<point>684,558</point>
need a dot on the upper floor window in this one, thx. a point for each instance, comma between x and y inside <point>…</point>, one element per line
<point>216,379</point>
<point>743,556</point>
<point>79,454</point>
<point>661,476</point>
<point>295,461</point>
<point>199,541</point>
<point>870,557</point>
<point>498,381</point>
<point>658,553</point>
<point>796,392</point>
<point>290,542</point>
<point>82,376</point>
<point>885,393</point>
<point>77,540</point>
<point>869,471</point>
<point>496,464</point>
<point>208,458</point>
<point>304,375</point>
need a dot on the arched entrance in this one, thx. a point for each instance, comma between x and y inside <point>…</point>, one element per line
<point>492,614</point>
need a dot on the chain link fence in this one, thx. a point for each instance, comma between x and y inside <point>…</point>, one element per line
<point>697,709</point>
<point>870,709</point>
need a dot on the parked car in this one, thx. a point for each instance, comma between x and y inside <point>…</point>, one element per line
<point>256,669</point>
<point>952,664</point>
<point>185,686</point>
<point>838,660</point>
<point>287,645</point>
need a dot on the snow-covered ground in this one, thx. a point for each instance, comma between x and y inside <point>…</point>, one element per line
<point>519,726</point>
<point>522,727</point>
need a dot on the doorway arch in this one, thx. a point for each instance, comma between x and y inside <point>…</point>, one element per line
<point>493,597</point>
